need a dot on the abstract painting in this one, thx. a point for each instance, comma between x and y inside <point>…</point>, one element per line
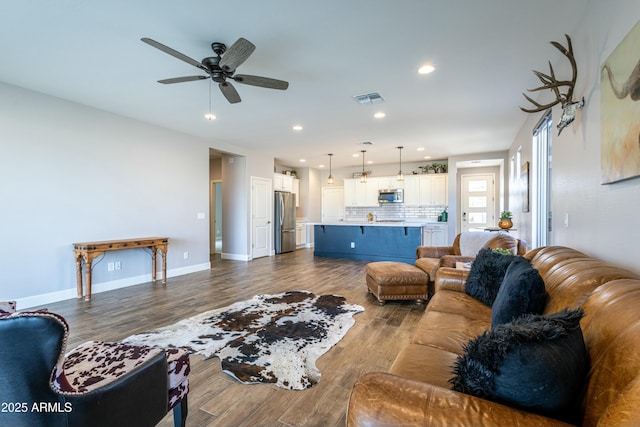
<point>620,91</point>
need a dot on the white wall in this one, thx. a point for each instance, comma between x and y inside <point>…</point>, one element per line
<point>602,218</point>
<point>70,173</point>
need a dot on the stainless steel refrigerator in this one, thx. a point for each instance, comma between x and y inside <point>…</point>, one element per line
<point>285,222</point>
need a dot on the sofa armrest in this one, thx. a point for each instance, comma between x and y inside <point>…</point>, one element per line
<point>381,399</point>
<point>434,251</point>
<point>451,260</point>
<point>452,279</point>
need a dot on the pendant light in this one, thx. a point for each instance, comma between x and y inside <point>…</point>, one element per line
<point>400,176</point>
<point>363,177</point>
<point>330,179</point>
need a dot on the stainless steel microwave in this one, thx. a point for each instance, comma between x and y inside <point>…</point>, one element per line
<point>395,195</point>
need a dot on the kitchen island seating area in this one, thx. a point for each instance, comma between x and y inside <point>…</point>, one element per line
<point>96,383</point>
<point>417,390</point>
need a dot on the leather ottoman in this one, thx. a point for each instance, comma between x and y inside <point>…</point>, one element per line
<point>390,280</point>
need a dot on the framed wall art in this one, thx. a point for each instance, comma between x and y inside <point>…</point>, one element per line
<point>620,102</point>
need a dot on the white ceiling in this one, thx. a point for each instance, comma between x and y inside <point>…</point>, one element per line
<point>90,52</point>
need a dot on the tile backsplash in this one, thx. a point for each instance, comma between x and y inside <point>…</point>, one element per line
<point>394,211</point>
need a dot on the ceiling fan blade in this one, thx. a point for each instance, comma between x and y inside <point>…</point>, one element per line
<point>236,54</point>
<point>174,53</point>
<point>229,92</point>
<point>182,79</point>
<point>261,81</point>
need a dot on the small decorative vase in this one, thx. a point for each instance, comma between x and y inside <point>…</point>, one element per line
<point>505,223</point>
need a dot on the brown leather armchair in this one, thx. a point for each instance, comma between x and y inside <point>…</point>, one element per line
<point>464,248</point>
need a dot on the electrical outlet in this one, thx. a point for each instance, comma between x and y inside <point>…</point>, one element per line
<point>353,245</point>
<point>118,265</point>
<point>185,255</point>
<point>110,266</point>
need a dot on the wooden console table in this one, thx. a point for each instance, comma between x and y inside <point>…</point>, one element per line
<point>85,253</point>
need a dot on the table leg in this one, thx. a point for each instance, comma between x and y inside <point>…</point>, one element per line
<point>79,275</point>
<point>164,266</point>
<point>153,264</point>
<point>87,279</point>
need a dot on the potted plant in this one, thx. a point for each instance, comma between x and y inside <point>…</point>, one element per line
<point>439,167</point>
<point>505,220</point>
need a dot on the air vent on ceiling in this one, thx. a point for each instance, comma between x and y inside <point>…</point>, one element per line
<point>369,98</point>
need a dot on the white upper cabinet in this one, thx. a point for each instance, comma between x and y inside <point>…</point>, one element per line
<point>419,190</point>
<point>359,194</point>
<point>433,189</point>
<point>412,190</point>
<point>282,182</point>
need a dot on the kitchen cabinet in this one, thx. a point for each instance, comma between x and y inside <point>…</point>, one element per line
<point>435,235</point>
<point>433,190</point>
<point>412,190</point>
<point>301,235</point>
<point>282,182</point>
<point>360,194</point>
<point>388,182</point>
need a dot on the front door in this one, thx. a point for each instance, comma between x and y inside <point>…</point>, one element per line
<point>478,202</point>
<point>261,216</point>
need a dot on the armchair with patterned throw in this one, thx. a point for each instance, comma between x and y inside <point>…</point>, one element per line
<point>95,384</point>
<point>465,247</point>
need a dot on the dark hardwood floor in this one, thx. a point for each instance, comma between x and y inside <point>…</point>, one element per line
<point>216,399</point>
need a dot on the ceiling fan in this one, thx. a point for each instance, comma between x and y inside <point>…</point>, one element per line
<point>222,67</point>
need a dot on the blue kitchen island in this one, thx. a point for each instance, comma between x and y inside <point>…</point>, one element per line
<point>388,241</point>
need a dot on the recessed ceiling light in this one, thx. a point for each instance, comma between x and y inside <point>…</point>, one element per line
<point>426,69</point>
<point>379,115</point>
<point>355,155</point>
<point>297,128</point>
<point>210,116</point>
<point>427,157</point>
<point>303,160</point>
<point>369,162</point>
<point>321,166</point>
<point>420,148</point>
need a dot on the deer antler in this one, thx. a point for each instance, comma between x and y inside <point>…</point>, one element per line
<point>550,82</point>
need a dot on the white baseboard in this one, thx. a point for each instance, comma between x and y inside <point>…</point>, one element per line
<point>96,288</point>
<point>235,257</point>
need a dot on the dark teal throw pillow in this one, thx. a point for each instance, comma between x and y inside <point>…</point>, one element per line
<point>537,363</point>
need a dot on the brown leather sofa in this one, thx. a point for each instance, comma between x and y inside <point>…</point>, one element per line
<point>416,391</point>
<point>431,258</point>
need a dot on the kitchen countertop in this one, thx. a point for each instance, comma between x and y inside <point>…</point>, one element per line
<point>383,223</point>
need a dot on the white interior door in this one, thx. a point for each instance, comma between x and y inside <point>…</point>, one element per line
<point>261,217</point>
<point>478,202</point>
<point>332,204</point>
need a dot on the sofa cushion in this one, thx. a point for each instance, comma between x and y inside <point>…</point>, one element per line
<point>537,363</point>
<point>486,275</point>
<point>522,291</point>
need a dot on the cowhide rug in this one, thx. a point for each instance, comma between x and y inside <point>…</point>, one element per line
<point>267,339</point>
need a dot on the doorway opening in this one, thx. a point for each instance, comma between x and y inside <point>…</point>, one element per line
<point>215,226</point>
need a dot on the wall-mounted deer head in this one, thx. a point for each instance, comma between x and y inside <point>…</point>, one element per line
<point>549,81</point>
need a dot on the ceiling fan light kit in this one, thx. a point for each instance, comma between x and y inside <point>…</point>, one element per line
<point>221,67</point>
